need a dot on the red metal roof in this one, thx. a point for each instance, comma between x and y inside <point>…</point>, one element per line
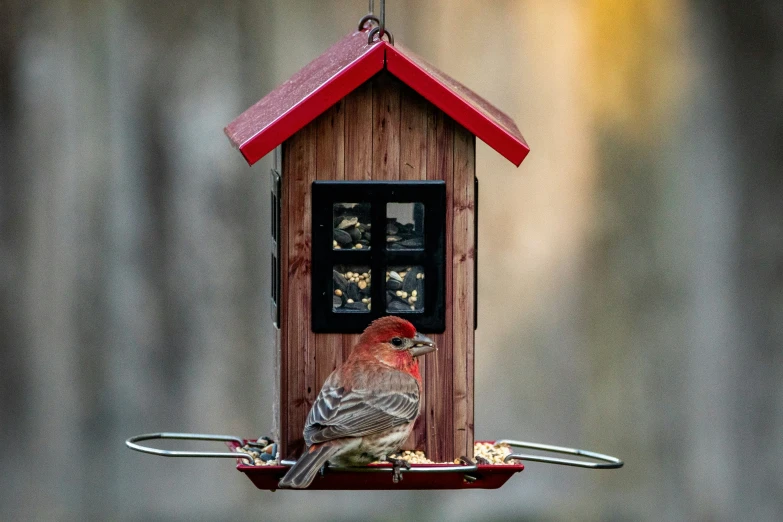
<point>344,67</point>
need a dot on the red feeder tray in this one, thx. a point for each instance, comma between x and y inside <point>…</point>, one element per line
<point>380,476</point>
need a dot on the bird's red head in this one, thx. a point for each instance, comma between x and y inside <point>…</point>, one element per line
<point>395,342</point>
<point>385,329</point>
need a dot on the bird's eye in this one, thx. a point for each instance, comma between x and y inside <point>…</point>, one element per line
<point>396,341</point>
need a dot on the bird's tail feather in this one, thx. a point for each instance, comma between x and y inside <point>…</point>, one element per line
<point>303,472</point>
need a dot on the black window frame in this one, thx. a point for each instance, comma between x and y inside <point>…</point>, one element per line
<point>432,194</point>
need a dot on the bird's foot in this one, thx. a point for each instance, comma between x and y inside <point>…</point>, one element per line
<point>482,460</point>
<point>397,465</point>
<point>322,471</point>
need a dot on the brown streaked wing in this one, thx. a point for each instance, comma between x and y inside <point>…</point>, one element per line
<point>338,413</point>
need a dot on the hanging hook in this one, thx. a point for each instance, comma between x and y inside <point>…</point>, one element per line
<point>383,18</point>
<point>381,29</point>
<point>377,30</point>
<point>369,17</point>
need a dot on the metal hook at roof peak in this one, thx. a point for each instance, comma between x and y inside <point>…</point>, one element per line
<point>381,29</point>
<point>377,30</point>
<point>369,17</point>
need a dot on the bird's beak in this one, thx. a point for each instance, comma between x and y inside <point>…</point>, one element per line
<point>421,345</point>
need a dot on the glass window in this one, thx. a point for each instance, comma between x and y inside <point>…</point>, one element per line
<point>351,288</point>
<point>405,289</point>
<point>405,226</point>
<point>351,226</point>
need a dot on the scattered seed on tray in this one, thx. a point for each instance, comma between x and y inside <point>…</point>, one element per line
<point>413,457</point>
<point>493,454</point>
<point>264,452</point>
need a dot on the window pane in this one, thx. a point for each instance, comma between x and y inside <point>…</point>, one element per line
<point>405,226</point>
<point>351,226</point>
<point>351,288</point>
<point>405,289</point>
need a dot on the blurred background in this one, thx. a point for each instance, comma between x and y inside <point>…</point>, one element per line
<point>630,271</point>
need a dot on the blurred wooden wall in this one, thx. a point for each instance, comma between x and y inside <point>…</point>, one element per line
<point>134,293</point>
<point>631,272</point>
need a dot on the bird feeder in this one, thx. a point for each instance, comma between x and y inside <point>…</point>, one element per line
<point>374,213</point>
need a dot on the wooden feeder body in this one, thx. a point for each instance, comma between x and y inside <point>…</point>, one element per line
<point>362,118</point>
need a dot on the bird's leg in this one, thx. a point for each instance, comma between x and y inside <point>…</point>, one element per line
<point>397,465</point>
<point>323,468</point>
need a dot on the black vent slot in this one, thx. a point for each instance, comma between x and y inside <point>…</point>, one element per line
<point>275,266</point>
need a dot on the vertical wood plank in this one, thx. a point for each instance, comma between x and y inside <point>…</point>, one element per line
<point>283,336</point>
<point>462,312</point>
<point>413,166</point>
<point>358,133</point>
<point>386,130</point>
<point>330,165</point>
<point>358,154</point>
<point>438,387</point>
<point>414,111</point>
<point>299,172</point>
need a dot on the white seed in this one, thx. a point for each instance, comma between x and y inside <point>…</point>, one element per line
<point>334,243</point>
<point>398,293</point>
<point>412,299</point>
<point>362,285</point>
<point>404,295</point>
<point>365,300</point>
<point>338,292</point>
<point>349,301</point>
<point>359,246</point>
<point>414,292</point>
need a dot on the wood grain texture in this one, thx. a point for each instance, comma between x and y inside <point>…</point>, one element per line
<point>462,261</point>
<point>383,131</point>
<point>299,171</point>
<point>330,165</point>
<point>358,154</point>
<point>413,166</point>
<point>358,133</point>
<point>286,362</point>
<point>439,373</point>
<point>386,127</point>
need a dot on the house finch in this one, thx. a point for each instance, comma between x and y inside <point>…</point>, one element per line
<point>367,407</point>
